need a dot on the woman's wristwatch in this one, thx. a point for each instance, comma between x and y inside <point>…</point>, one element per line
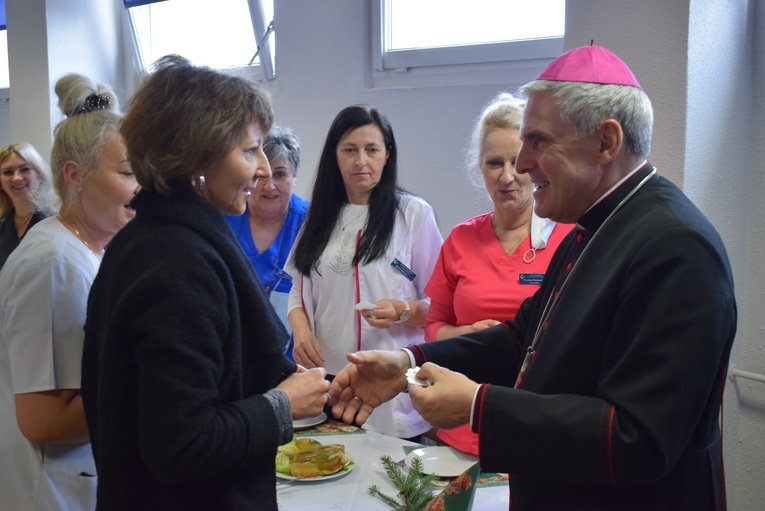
<point>405,314</point>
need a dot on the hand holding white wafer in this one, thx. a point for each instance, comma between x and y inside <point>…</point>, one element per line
<point>411,378</point>
<point>364,306</point>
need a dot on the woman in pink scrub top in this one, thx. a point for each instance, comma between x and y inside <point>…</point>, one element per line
<point>490,263</point>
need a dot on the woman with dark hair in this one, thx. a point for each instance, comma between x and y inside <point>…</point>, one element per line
<point>367,242</point>
<point>186,388</point>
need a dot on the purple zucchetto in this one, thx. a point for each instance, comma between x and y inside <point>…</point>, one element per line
<point>590,64</point>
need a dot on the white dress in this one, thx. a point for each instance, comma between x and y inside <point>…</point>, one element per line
<point>334,287</point>
<point>44,289</point>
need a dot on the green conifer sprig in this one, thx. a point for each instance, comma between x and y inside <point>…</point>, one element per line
<point>413,486</point>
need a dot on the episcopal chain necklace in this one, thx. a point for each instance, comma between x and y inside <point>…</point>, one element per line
<point>551,302</point>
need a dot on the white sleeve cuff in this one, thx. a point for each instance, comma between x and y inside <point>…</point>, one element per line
<point>412,362</point>
<point>472,406</point>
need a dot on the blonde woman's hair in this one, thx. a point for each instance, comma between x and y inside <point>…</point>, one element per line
<point>93,118</point>
<point>43,198</point>
<point>504,111</point>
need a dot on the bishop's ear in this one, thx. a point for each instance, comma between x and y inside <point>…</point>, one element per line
<point>611,140</point>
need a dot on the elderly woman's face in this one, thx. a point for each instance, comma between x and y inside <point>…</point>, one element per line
<point>271,197</point>
<point>106,192</point>
<point>507,188</point>
<point>230,184</point>
<point>18,179</point>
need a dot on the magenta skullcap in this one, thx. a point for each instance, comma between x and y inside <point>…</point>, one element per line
<point>590,64</point>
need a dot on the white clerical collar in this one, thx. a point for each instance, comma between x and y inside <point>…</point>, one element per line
<point>617,185</point>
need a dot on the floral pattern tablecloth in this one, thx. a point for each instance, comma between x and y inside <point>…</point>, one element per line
<point>485,479</point>
<point>331,427</point>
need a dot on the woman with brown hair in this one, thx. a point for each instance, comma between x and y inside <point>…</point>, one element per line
<point>186,387</point>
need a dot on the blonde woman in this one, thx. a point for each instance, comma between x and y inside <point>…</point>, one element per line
<point>492,262</point>
<point>45,454</point>
<point>26,194</point>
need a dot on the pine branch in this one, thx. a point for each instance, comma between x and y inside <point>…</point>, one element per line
<point>375,492</point>
<point>413,487</point>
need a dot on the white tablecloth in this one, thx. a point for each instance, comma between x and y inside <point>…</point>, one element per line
<point>349,492</point>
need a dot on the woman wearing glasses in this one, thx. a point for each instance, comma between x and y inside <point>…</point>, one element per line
<point>273,218</point>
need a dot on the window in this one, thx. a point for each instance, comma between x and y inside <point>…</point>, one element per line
<point>221,34</point>
<point>419,33</point>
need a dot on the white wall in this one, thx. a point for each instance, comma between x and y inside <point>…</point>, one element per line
<point>323,65</point>
<point>720,75</point>
<point>701,62</point>
<point>47,39</point>
<point>734,181</point>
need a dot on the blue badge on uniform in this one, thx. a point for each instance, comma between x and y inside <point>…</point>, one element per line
<point>283,275</point>
<point>531,278</point>
<point>403,269</point>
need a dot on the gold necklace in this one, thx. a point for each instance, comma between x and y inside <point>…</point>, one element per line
<point>79,236</point>
<point>514,245</point>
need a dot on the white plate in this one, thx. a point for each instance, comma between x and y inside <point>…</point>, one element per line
<point>442,461</point>
<point>339,473</point>
<point>310,421</point>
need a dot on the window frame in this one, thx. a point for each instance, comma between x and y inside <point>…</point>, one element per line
<point>4,29</point>
<point>266,63</point>
<point>263,43</point>
<point>385,61</point>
